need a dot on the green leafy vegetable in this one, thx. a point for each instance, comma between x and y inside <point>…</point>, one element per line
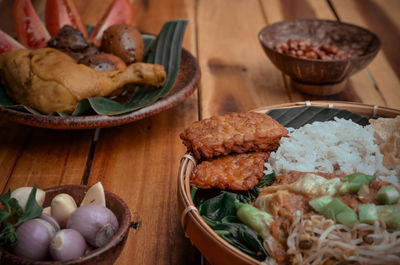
<point>242,237</point>
<point>12,216</point>
<point>220,213</point>
<point>166,50</point>
<point>218,209</point>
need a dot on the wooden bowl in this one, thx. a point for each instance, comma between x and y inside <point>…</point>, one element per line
<point>320,77</point>
<point>100,256</point>
<point>214,248</point>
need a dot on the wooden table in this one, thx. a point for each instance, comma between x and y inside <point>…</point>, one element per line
<point>140,161</point>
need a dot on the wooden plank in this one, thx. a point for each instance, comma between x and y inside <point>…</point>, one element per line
<point>358,88</point>
<point>385,68</point>
<point>140,161</point>
<point>47,157</point>
<point>391,9</point>
<point>237,76</point>
<point>12,141</point>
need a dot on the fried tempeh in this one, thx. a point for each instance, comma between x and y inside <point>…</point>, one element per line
<point>234,132</point>
<point>234,172</point>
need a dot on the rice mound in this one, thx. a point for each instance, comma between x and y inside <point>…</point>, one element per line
<point>339,147</point>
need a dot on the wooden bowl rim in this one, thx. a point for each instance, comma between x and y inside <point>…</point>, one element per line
<point>319,60</point>
<point>191,213</point>
<point>119,235</point>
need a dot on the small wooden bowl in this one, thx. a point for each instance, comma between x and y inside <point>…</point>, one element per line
<point>320,77</point>
<point>100,256</point>
<point>214,248</point>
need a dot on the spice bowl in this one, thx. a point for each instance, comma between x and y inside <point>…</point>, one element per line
<point>315,76</point>
<point>100,256</point>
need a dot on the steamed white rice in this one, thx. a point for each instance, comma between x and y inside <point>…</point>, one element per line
<point>340,147</point>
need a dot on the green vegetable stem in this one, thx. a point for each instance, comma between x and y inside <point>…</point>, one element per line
<point>255,218</point>
<point>387,195</point>
<point>354,182</point>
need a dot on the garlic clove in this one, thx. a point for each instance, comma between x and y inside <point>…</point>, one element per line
<point>95,196</point>
<point>62,206</point>
<point>47,210</point>
<point>22,194</point>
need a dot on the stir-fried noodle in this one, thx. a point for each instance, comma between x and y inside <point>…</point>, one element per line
<point>315,240</point>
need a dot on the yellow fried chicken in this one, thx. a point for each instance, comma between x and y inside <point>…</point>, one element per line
<point>49,80</point>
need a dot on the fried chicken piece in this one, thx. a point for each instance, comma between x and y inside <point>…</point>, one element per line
<point>49,80</point>
<point>234,132</point>
<point>234,172</point>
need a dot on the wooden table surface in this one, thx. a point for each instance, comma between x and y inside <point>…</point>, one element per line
<point>140,161</point>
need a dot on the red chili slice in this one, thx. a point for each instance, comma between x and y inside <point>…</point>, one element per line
<point>63,12</point>
<point>30,30</point>
<point>120,11</point>
<point>7,43</point>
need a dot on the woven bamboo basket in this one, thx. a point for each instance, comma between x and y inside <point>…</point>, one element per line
<point>214,248</point>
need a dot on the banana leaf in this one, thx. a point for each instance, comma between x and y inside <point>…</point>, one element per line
<point>165,50</point>
<point>300,116</point>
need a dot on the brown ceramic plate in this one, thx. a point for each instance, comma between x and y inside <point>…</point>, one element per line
<point>186,82</point>
<point>213,247</point>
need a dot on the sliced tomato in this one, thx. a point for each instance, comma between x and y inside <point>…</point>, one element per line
<point>8,43</point>
<point>63,12</point>
<point>120,11</point>
<point>30,30</point>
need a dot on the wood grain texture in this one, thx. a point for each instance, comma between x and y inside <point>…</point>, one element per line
<point>237,75</point>
<point>140,161</point>
<point>383,68</point>
<point>47,158</point>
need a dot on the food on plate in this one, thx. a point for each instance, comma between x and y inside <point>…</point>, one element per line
<point>94,196</point>
<point>67,244</point>
<point>49,80</point>
<point>326,197</point>
<point>69,34</point>
<point>125,41</point>
<point>234,132</point>
<point>96,223</point>
<point>7,43</point>
<point>34,238</point>
<point>72,42</point>
<point>69,39</point>
<point>306,49</point>
<point>234,172</point>
<point>30,30</point>
<point>62,206</point>
<point>103,62</point>
<point>119,12</point>
<point>69,232</point>
<point>22,194</point>
<point>314,224</point>
<point>338,147</point>
<point>387,136</point>
<point>59,13</point>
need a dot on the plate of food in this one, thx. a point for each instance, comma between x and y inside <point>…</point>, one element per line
<point>71,76</point>
<point>296,183</point>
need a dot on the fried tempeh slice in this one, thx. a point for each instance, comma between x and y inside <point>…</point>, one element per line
<point>234,132</point>
<point>234,172</point>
